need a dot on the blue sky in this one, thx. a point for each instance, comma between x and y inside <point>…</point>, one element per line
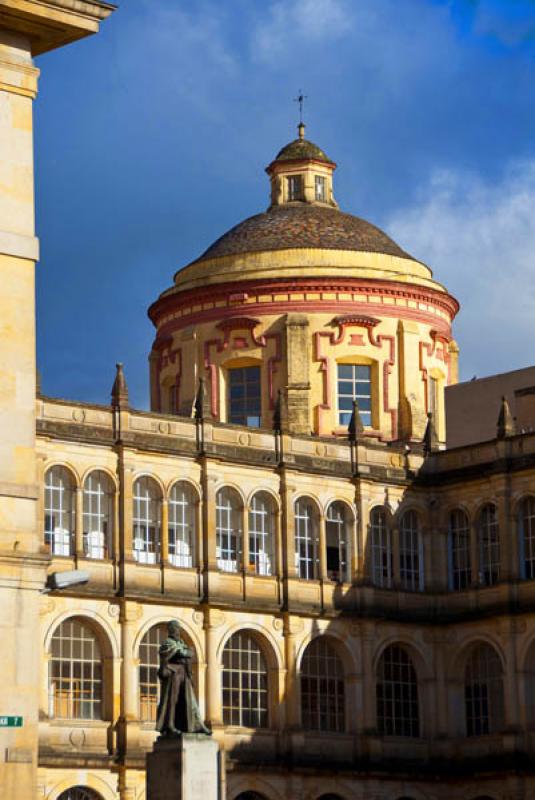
<point>152,138</point>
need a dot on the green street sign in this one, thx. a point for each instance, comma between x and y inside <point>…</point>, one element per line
<point>10,722</point>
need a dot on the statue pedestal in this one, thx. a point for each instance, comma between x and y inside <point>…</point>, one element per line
<point>185,768</point>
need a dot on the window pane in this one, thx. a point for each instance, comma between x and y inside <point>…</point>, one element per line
<point>354,383</point>
<point>397,694</point>
<point>322,688</point>
<point>244,396</point>
<point>75,672</point>
<point>244,683</point>
<point>483,691</point>
<point>182,525</point>
<point>59,511</point>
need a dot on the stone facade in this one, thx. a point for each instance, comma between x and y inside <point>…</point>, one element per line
<point>361,614</point>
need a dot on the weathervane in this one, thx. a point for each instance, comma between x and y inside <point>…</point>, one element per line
<point>300,99</point>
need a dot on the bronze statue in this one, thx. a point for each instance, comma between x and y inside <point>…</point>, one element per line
<point>178,711</point>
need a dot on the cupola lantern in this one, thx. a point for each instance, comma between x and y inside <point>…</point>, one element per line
<point>302,173</point>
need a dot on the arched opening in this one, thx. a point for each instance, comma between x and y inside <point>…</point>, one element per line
<point>397,694</point>
<point>245,682</point>
<point>338,542</point>
<point>262,533</point>
<point>322,687</point>
<point>98,515</point>
<point>75,672</point>
<point>182,525</point>
<point>229,511</point>
<point>306,539</point>
<point>249,796</point>
<point>380,548</point>
<point>483,691</point>
<point>489,545</point>
<point>411,562</point>
<point>80,793</point>
<point>459,550</point>
<point>147,520</point>
<point>59,511</point>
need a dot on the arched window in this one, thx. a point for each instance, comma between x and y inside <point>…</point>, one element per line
<point>80,793</point>
<point>411,572</point>
<point>245,682</point>
<point>149,662</point>
<point>147,520</point>
<point>322,687</point>
<point>59,511</point>
<point>228,530</point>
<point>483,691</point>
<point>489,546</point>
<point>249,796</point>
<point>98,515</point>
<point>459,550</point>
<point>526,535</point>
<point>397,694</point>
<point>306,539</point>
<point>261,534</point>
<point>338,540</point>
<point>75,672</point>
<point>182,525</point>
<point>381,549</point>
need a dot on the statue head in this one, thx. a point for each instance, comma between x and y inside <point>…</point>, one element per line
<point>173,629</point>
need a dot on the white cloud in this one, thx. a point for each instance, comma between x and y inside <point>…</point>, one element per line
<point>479,238</point>
<point>187,51</point>
<point>291,21</point>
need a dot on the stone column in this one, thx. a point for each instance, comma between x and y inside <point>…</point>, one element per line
<point>396,577</point>
<point>213,622</point>
<point>131,613</point>
<point>292,627</point>
<point>125,506</point>
<point>287,569</point>
<point>27,29</point>
<point>358,560</point>
<point>78,523</point>
<point>208,501</point>
<point>322,547</point>
<point>164,537</point>
<point>244,555</point>
<point>298,411</point>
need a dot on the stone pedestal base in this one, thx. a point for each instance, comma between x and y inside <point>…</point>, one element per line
<point>185,768</point>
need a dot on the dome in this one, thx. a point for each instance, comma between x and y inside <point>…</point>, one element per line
<point>302,149</point>
<point>300,225</point>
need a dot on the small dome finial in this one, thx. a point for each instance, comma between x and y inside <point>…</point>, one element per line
<point>301,130</point>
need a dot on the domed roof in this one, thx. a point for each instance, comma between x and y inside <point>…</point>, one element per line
<point>303,225</point>
<point>301,149</point>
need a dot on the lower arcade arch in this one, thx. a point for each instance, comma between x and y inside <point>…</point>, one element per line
<point>80,793</point>
<point>250,796</point>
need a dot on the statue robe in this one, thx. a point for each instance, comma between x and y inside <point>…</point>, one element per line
<point>178,706</point>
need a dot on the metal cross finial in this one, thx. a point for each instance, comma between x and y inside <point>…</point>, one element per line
<point>300,99</point>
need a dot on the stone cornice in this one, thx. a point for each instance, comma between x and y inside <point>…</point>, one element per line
<point>49,24</point>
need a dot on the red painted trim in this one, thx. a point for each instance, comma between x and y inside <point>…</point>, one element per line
<point>335,338</point>
<point>272,365</point>
<point>208,296</point>
<point>243,323</point>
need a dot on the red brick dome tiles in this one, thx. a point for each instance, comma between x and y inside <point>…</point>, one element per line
<point>293,226</point>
